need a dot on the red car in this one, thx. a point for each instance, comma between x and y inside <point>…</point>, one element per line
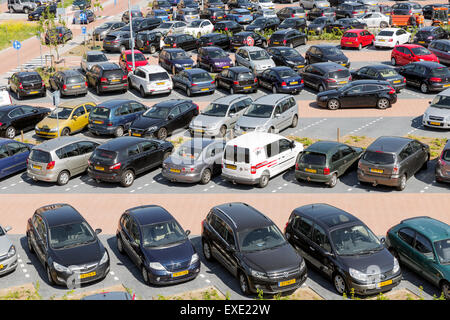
<point>407,53</point>
<point>356,38</point>
<point>126,63</point>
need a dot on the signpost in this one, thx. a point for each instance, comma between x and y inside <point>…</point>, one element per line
<point>17,45</point>
<point>55,100</point>
<point>83,17</point>
<point>83,32</point>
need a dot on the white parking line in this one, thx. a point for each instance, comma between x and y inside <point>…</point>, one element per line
<point>366,125</point>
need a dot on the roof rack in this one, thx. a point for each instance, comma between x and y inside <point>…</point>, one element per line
<point>415,218</point>
<point>226,215</point>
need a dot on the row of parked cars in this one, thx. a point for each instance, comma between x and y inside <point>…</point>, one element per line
<point>245,242</point>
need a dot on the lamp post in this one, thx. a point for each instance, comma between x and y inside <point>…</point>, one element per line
<point>131,35</point>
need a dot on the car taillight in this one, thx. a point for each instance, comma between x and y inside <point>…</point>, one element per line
<point>224,15</point>
<point>285,227</point>
<point>213,17</point>
<point>109,124</point>
<point>103,80</point>
<point>392,91</point>
<point>252,169</point>
<point>209,43</point>
<point>410,11</point>
<point>441,162</point>
<point>235,82</point>
<point>256,80</point>
<point>86,84</point>
<point>202,224</point>
<point>115,41</point>
<point>174,45</point>
<point>187,169</point>
<point>283,84</point>
<point>20,85</point>
<point>354,12</point>
<point>194,84</point>
<point>27,158</point>
<point>124,77</point>
<point>302,82</point>
<point>326,171</point>
<point>296,166</point>
<point>284,41</point>
<point>64,87</point>
<point>226,29</point>
<point>433,79</point>
<point>43,84</point>
<point>331,80</point>
<point>395,169</point>
<point>390,40</point>
<point>60,35</point>
<point>323,14</point>
<point>404,79</point>
<point>50,165</point>
<point>292,15</point>
<point>239,16</point>
<point>350,78</point>
<point>115,166</point>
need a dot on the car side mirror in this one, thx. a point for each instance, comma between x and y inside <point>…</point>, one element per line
<point>74,117</point>
<point>170,117</point>
<point>8,228</point>
<point>277,115</point>
<point>292,144</point>
<point>187,232</point>
<point>383,240</point>
<point>232,114</point>
<point>35,110</point>
<point>97,231</point>
<point>329,254</point>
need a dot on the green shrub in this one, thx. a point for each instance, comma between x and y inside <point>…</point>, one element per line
<point>16,30</point>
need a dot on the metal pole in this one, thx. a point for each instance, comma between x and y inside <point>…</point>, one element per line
<point>18,60</point>
<point>131,35</point>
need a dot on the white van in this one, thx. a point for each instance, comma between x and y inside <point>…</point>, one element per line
<point>5,98</point>
<point>255,157</point>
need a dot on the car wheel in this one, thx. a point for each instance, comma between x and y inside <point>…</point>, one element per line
<point>383,24</point>
<point>49,277</point>
<point>65,132</point>
<point>30,246</point>
<point>264,180</point>
<point>445,289</point>
<point>223,131</point>
<point>207,250</point>
<point>127,178</point>
<point>360,46</point>
<point>26,10</point>
<point>205,177</point>
<point>118,132</point>
<point>424,87</point>
<point>333,104</point>
<point>294,121</point>
<point>10,132</point>
<point>231,90</point>
<point>142,92</point>
<point>63,178</point>
<point>19,96</point>
<point>333,181</point>
<point>383,103</point>
<point>152,49</point>
<point>339,283</point>
<point>144,273</point>
<point>189,92</point>
<point>393,61</point>
<point>402,184</point>
<point>120,245</point>
<point>321,88</point>
<point>162,133</point>
<point>243,283</point>
<point>274,89</point>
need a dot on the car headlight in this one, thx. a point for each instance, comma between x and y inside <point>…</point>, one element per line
<point>152,128</point>
<point>236,127</point>
<point>302,265</point>
<point>53,130</point>
<point>177,65</point>
<point>60,268</point>
<point>104,258</point>
<point>358,275</point>
<point>156,266</point>
<point>258,274</point>
<point>36,128</point>
<point>12,251</point>
<point>396,266</point>
<point>194,258</point>
<point>425,115</point>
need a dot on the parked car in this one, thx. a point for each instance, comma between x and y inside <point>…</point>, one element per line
<point>325,76</point>
<point>135,13</point>
<point>407,8</point>
<point>107,77</point>
<point>196,160</point>
<point>311,4</point>
<point>13,159</point>
<point>318,25</point>
<point>237,235</point>
<point>175,60</point>
<point>242,4</point>
<point>26,84</point>
<point>107,27</point>
<point>214,39</point>
<point>291,12</point>
<point>121,160</point>
<point>199,27</point>
<point>172,27</point>
<point>381,72</point>
<point>237,79</point>
<point>341,25</point>
<point>150,80</point>
<point>442,169</point>
<point>66,119</point>
<point>326,53</point>
<point>428,76</point>
<point>187,15</point>
<point>42,11</point>
<point>391,161</point>
<point>391,37</point>
<point>294,23</point>
<point>59,159</point>
<point>164,118</point>
<point>254,58</point>
<point>281,80</point>
<point>263,24</point>
<point>429,8</point>
<point>182,40</point>
<point>441,49</point>
<point>242,16</point>
<point>145,24</point>
<point>326,161</point>
<point>213,14</point>
<point>68,83</point>
<point>91,58</point>
<point>85,16</point>
<point>243,38</point>
<point>343,248</point>
<point>288,38</point>
<point>194,81</point>
<point>15,118</point>
<point>423,245</point>
<point>350,10</point>
<point>321,12</point>
<point>162,5</point>
<point>437,115</point>
<point>376,19</point>
<point>148,41</point>
<point>25,6</point>
<point>357,38</point>
<point>425,35</point>
<point>264,4</point>
<point>65,244</point>
<point>81,4</point>
<point>126,60</point>
<point>359,93</point>
<point>213,59</point>
<point>160,14</point>
<point>289,57</point>
<point>188,4</point>
<point>215,4</point>
<point>271,113</point>
<point>58,35</point>
<point>8,251</point>
<point>228,25</point>
<point>117,41</point>
<point>266,13</point>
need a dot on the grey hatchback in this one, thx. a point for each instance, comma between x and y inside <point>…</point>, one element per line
<point>442,170</point>
<point>391,161</point>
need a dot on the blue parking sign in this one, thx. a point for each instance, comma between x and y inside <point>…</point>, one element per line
<point>83,16</point>
<point>83,30</point>
<point>17,45</point>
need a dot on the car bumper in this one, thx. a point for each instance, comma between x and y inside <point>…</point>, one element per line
<point>202,90</point>
<point>385,44</point>
<point>8,265</point>
<point>312,176</point>
<point>45,134</point>
<point>37,176</point>
<point>61,278</point>
<point>107,177</point>
<point>158,277</point>
<point>204,131</point>
<point>113,87</point>
<point>181,177</point>
<point>101,130</point>
<point>273,286</point>
<point>398,87</point>
<point>24,92</point>
<point>436,124</point>
<point>291,89</point>
<point>350,44</point>
<point>370,289</point>
<point>392,181</point>
<point>438,86</point>
<point>108,47</point>
<point>239,180</point>
<point>74,92</point>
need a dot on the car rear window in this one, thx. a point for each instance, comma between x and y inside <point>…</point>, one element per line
<point>96,58</point>
<point>110,37</point>
<point>339,74</point>
<point>245,76</point>
<point>440,72</point>
<point>314,158</point>
<point>40,156</point>
<point>113,73</point>
<point>350,35</point>
<point>104,155</point>
<point>31,78</point>
<point>446,155</point>
<point>158,76</point>
<point>278,36</point>
<point>237,154</point>
<point>378,157</point>
<point>386,33</point>
<point>100,112</point>
<point>77,79</point>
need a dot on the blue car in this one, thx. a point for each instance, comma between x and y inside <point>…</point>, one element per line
<point>114,117</point>
<point>175,60</point>
<point>161,14</point>
<point>242,16</point>
<point>156,243</point>
<point>194,81</point>
<point>281,79</point>
<point>13,156</point>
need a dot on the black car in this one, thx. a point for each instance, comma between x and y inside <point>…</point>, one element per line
<point>213,14</point>
<point>133,26</point>
<point>381,72</point>
<point>164,118</point>
<point>107,77</point>
<point>343,248</point>
<point>428,76</point>
<point>252,248</point>
<point>318,25</point>
<point>427,34</point>
<point>58,35</point>
<point>321,12</point>
<point>406,8</point>
<point>350,10</point>
<point>135,13</point>
<point>359,93</point>
<point>441,49</point>
<point>27,83</point>
<point>122,159</point>
<point>148,23</point>
<point>263,24</point>
<point>237,79</point>
<point>16,118</point>
<point>240,39</point>
<point>283,56</point>
<point>182,40</point>
<point>291,12</point>
<point>428,10</point>
<point>44,11</point>
<point>214,4</point>
<point>288,38</point>
<point>148,41</point>
<point>324,53</point>
<point>66,245</point>
<point>157,244</point>
<point>241,4</point>
<point>68,82</point>
<point>344,24</point>
<point>117,41</point>
<point>293,23</point>
<point>280,80</point>
<point>228,25</point>
<point>325,76</point>
<point>214,39</point>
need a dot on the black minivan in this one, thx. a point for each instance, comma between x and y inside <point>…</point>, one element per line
<point>121,159</point>
<point>252,248</point>
<point>343,248</point>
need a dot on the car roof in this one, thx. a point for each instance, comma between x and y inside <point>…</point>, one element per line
<point>111,104</point>
<point>109,66</point>
<point>200,142</point>
<point>379,67</point>
<point>255,139</point>
<point>328,66</point>
<point>242,216</point>
<point>10,107</point>
<point>239,69</point>
<point>327,215</point>
<point>152,68</point>
<point>272,98</point>
<point>369,81</point>
<point>129,51</point>
<point>59,213</point>
<point>71,72</point>
<point>356,30</point>
<point>57,143</point>
<point>391,29</point>
<point>94,52</point>
<point>429,64</point>
<point>389,144</point>
<point>195,71</point>
<point>120,143</point>
<point>434,229</point>
<point>410,45</point>
<point>251,49</point>
<point>149,214</point>
<point>324,146</point>
<point>172,102</point>
<point>230,98</point>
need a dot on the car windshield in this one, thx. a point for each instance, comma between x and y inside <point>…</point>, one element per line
<point>260,239</point>
<point>386,73</point>
<point>215,54</point>
<point>70,235</point>
<point>100,112</point>
<point>350,35</point>
<point>443,250</point>
<point>259,111</point>
<point>165,25</point>
<point>245,76</point>
<point>378,157</point>
<point>339,74</point>
<point>440,72</point>
<point>201,77</point>
<point>104,155</point>
<point>137,57</point>
<point>162,234</point>
<point>96,58</point>
<point>259,55</point>
<point>195,24</point>
<point>287,73</point>
<point>355,240</point>
<point>215,110</point>
<point>269,12</point>
<point>441,102</point>
<point>314,158</point>
<point>179,55</point>
<point>420,51</point>
<point>188,151</point>
<point>158,76</point>
<point>289,52</point>
<point>31,78</point>
<point>61,113</point>
<point>157,113</point>
<point>258,22</point>
<point>332,51</point>
<point>319,20</point>
<point>386,33</point>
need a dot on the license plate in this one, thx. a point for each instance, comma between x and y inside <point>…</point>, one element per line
<point>384,283</point>
<point>160,83</point>
<point>166,45</point>
<point>99,168</point>
<point>115,80</point>
<point>37,167</point>
<point>421,41</point>
<point>294,82</point>
<point>343,64</point>
<point>199,130</point>
<point>179,274</point>
<point>74,87</point>
<point>397,81</point>
<point>381,40</point>
<point>245,88</point>
<point>107,42</point>
<point>219,17</point>
<point>342,82</point>
<point>276,42</point>
<point>225,67</point>
<point>87,275</point>
<point>348,42</point>
<point>230,166</point>
<point>136,134</point>
<point>1,266</point>
<point>286,283</point>
<point>205,89</point>
<point>376,170</point>
<point>300,66</point>
<point>310,170</point>
<point>98,122</point>
<point>34,92</point>
<point>235,48</point>
<point>175,170</point>
<point>187,68</point>
<point>446,85</point>
<point>435,123</point>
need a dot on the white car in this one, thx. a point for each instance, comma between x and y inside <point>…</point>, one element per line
<point>255,157</point>
<point>264,4</point>
<point>390,37</point>
<point>266,13</point>
<point>437,114</point>
<point>375,20</point>
<point>309,4</point>
<point>172,27</point>
<point>5,98</point>
<point>199,27</point>
<point>150,79</point>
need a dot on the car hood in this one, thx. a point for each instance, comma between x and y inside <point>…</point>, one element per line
<point>298,59</point>
<point>145,122</point>
<point>337,57</point>
<point>5,244</point>
<point>252,27</point>
<point>440,112</point>
<point>206,121</point>
<point>380,261</point>
<point>252,122</point>
<point>273,260</point>
<point>88,253</point>
<point>225,61</point>
<point>333,92</point>
<point>52,123</point>
<point>171,254</point>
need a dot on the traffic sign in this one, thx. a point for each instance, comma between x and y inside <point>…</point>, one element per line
<point>83,30</point>
<point>250,41</point>
<point>17,45</point>
<point>83,16</point>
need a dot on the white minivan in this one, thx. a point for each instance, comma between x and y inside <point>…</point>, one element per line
<point>255,157</point>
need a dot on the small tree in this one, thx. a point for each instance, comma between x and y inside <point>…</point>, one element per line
<point>47,25</point>
<point>97,6</point>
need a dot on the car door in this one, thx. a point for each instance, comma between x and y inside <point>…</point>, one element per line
<point>301,236</point>
<point>407,71</point>
<point>222,241</point>
<point>213,157</point>
<point>426,259</point>
<point>353,97</point>
<point>419,155</point>
<point>74,161</point>
<point>406,161</point>
<point>135,159</point>
<point>38,238</point>
<point>420,74</point>
<point>135,242</point>
<point>79,119</point>
<point>175,119</point>
<point>190,42</point>
<point>286,155</point>
<point>336,162</point>
<point>17,160</point>
<point>126,115</point>
<point>151,155</point>
<point>404,245</point>
<point>277,118</point>
<point>321,251</point>
<point>86,148</point>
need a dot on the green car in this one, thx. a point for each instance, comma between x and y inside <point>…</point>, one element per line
<point>423,245</point>
<point>326,161</point>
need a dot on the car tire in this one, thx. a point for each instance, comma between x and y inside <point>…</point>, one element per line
<point>384,24</point>
<point>205,177</point>
<point>339,283</point>
<point>393,61</point>
<point>333,104</point>
<point>333,181</point>
<point>243,283</point>
<point>402,184</point>
<point>120,245</point>
<point>144,274</point>
<point>19,96</point>
<point>291,45</point>
<point>26,11</point>
<point>162,133</point>
<point>383,103</point>
<point>189,92</point>
<point>118,132</point>
<point>65,132</point>
<point>424,88</point>
<point>360,46</point>
<point>274,89</point>
<point>294,121</point>
<point>445,289</point>
<point>321,88</point>
<point>127,178</point>
<point>142,92</point>
<point>49,276</point>
<point>10,132</point>
<point>63,178</point>
<point>152,49</point>
<point>263,180</point>
<point>206,248</point>
<point>223,131</point>
<point>30,246</point>
<point>231,90</point>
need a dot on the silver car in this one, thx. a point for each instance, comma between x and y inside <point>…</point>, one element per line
<point>271,113</point>
<point>220,115</point>
<point>92,58</point>
<point>437,114</point>
<point>8,254</point>
<point>196,160</point>
<point>59,159</point>
<point>309,4</point>
<point>171,27</point>
<point>254,58</point>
